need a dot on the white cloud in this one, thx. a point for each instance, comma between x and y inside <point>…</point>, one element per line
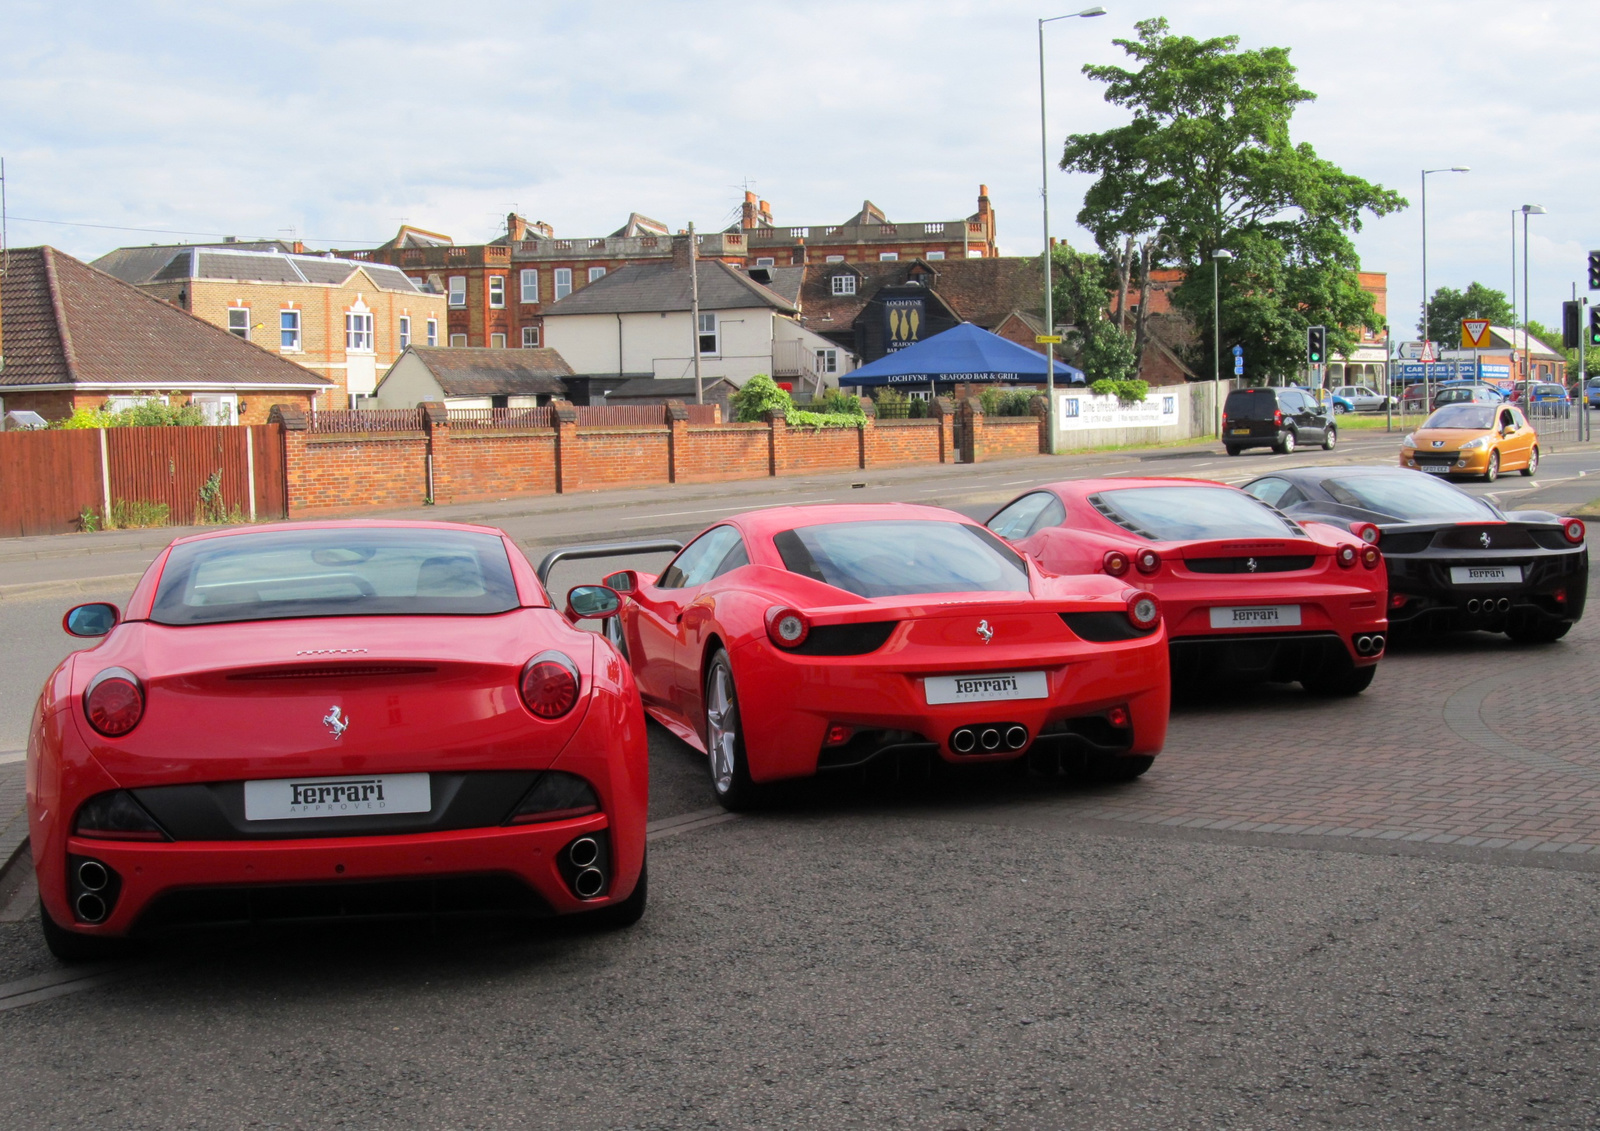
<point>339,119</point>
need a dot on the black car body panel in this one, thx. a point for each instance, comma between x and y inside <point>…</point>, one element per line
<point>1260,418</point>
<point>1512,572</point>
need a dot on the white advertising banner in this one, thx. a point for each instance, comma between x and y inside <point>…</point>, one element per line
<point>1083,411</point>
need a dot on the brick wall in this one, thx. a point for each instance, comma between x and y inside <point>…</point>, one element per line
<point>903,441</point>
<point>496,465</point>
<point>336,473</point>
<point>623,457</point>
<point>725,451</point>
<point>1006,437</point>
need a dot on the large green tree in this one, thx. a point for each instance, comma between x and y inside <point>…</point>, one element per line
<point>1082,285</point>
<point>1206,164</point>
<point>1449,306</point>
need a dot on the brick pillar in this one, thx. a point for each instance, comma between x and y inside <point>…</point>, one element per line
<point>438,485</point>
<point>295,470</point>
<point>777,442</point>
<point>677,438</point>
<point>971,410</point>
<point>869,432</point>
<point>569,458</point>
<point>1040,407</point>
<point>944,411</point>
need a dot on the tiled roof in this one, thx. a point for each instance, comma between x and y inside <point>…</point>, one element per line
<point>642,287</point>
<point>275,267</point>
<point>140,264</point>
<point>981,291</point>
<point>678,388</point>
<point>69,324</point>
<point>477,372</point>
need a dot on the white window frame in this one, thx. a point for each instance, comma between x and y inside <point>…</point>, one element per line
<point>596,273</point>
<point>828,361</point>
<point>289,324</point>
<point>457,293</point>
<point>563,283</point>
<point>530,337</point>
<point>844,283</point>
<point>358,336</point>
<point>497,341</point>
<point>714,333</point>
<point>217,408</point>
<point>242,329</point>
<point>405,332</point>
<point>528,285</point>
<point>766,261</point>
<point>497,291</point>
<point>457,341</point>
<point>433,331</point>
<point>834,259</point>
<point>935,255</point>
<point>888,256</point>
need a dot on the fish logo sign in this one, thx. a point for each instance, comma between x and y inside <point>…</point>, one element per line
<point>336,721</point>
<point>985,633</point>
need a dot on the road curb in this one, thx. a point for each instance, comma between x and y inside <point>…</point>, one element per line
<point>60,586</point>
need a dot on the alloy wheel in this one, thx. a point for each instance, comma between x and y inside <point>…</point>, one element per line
<point>722,728</point>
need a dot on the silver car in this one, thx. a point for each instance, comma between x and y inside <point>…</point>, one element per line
<point>1365,399</point>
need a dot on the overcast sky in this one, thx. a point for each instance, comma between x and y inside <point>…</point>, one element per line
<point>340,118</point>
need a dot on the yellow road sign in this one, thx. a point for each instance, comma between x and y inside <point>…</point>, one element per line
<point>1048,339</point>
<point>1474,333</point>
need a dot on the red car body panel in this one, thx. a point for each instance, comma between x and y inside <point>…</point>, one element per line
<point>788,700</point>
<point>211,717</point>
<point>1346,601</point>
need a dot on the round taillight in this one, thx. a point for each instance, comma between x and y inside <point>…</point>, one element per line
<point>1370,557</point>
<point>1144,611</point>
<point>1367,532</point>
<point>1346,555</point>
<point>114,702</point>
<point>1147,561</point>
<point>1115,563</point>
<point>550,685</point>
<point>1573,529</point>
<point>787,628</point>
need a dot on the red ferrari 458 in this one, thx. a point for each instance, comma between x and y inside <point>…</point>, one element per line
<point>797,639</point>
<point>335,719</point>
<point>1248,594</point>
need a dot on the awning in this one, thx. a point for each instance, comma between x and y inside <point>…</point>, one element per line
<point>966,353</point>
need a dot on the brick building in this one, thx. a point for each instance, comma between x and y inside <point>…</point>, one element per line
<point>342,320</point>
<point>77,338</point>
<point>867,237</point>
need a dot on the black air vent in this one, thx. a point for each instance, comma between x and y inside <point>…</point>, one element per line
<point>1103,628</point>
<point>846,639</point>
<point>1500,538</point>
<point>1413,543</point>
<point>1279,564</point>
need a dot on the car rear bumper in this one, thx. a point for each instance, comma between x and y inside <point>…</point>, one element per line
<point>1270,657</point>
<point>1554,590</point>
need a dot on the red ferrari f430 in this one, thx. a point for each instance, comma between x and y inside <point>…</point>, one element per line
<point>335,719</point>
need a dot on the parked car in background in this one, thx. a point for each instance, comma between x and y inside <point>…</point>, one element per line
<point>1363,399</point>
<point>1466,394</point>
<point>1280,419</point>
<point>1592,392</point>
<point>1543,392</point>
<point>1473,439</point>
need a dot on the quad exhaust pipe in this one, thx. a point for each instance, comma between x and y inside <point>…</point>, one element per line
<point>987,738</point>
<point>1370,645</point>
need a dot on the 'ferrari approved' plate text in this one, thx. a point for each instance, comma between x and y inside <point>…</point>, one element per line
<point>1485,575</point>
<point>986,688</point>
<point>1255,616</point>
<point>359,795</point>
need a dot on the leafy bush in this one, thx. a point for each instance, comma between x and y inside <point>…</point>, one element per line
<point>127,515</point>
<point>149,414</point>
<point>1131,391</point>
<point>839,402</point>
<point>760,395</point>
<point>999,401</point>
<point>800,418</point>
<point>211,508</point>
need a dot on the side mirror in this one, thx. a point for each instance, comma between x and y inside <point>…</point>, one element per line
<point>91,620</point>
<point>623,581</point>
<point>592,602</point>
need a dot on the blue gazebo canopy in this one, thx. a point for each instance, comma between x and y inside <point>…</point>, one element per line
<point>965,352</point>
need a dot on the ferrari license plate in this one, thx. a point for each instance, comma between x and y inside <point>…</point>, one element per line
<point>358,795</point>
<point>1485,575</point>
<point>1255,616</point>
<point>1436,468</point>
<point>987,687</point>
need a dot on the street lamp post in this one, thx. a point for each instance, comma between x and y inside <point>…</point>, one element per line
<point>1044,195</point>
<point>1217,259</point>
<point>1527,342</point>
<point>1427,299</point>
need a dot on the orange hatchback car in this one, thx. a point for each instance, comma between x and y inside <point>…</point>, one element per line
<point>1473,439</point>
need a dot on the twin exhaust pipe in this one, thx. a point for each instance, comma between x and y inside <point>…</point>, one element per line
<point>987,738</point>
<point>1370,645</point>
<point>90,906</point>
<point>1489,605</point>
<point>584,855</point>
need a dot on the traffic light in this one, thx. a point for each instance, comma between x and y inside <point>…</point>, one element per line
<point>1571,324</point>
<point>1594,270</point>
<point>1316,345</point>
<point>1594,326</point>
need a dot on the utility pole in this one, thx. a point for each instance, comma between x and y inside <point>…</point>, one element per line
<point>694,313</point>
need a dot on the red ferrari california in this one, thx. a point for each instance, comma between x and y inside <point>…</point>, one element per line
<point>1248,594</point>
<point>335,719</point>
<point>787,641</point>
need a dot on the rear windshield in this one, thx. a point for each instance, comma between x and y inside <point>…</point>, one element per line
<point>1462,416</point>
<point>1251,404</point>
<point>338,572</point>
<point>1409,496</point>
<point>892,559</point>
<point>1179,514</point>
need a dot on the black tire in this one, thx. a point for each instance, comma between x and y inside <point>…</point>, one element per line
<point>1539,634</point>
<point>1286,442</point>
<point>1231,450</point>
<point>624,914</point>
<point>725,752</point>
<point>1533,461</point>
<point>70,946</point>
<point>1330,437</point>
<point>1493,471</point>
<point>1352,681</point>
<point>1119,769</point>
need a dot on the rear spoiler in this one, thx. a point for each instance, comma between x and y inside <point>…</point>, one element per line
<point>601,550</point>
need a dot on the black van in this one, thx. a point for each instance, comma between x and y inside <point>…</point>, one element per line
<point>1280,419</point>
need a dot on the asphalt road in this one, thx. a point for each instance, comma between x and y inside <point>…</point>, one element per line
<point>979,954</point>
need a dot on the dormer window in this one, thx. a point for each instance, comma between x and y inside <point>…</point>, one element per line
<point>844,284</point>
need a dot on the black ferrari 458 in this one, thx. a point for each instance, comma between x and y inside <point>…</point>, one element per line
<point>1456,562</point>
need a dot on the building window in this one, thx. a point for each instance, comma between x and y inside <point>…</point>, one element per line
<point>458,290</point>
<point>239,322</point>
<point>834,259</point>
<point>708,333</point>
<point>530,337</point>
<point>530,286</point>
<point>497,341</point>
<point>497,290</point>
<point>844,284</point>
<point>888,256</point>
<point>288,330</point>
<point>596,273</point>
<point>766,261</point>
<point>358,332</point>
<point>937,255</point>
<point>405,332</point>
<point>563,282</point>
<point>433,331</point>
<point>827,361</point>
<point>458,339</point>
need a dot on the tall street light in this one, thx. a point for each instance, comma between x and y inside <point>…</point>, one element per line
<point>1217,259</point>
<point>1044,193</point>
<point>1527,342</point>
<point>1427,299</point>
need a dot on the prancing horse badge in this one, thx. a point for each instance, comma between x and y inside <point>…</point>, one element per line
<point>336,721</point>
<point>985,631</point>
